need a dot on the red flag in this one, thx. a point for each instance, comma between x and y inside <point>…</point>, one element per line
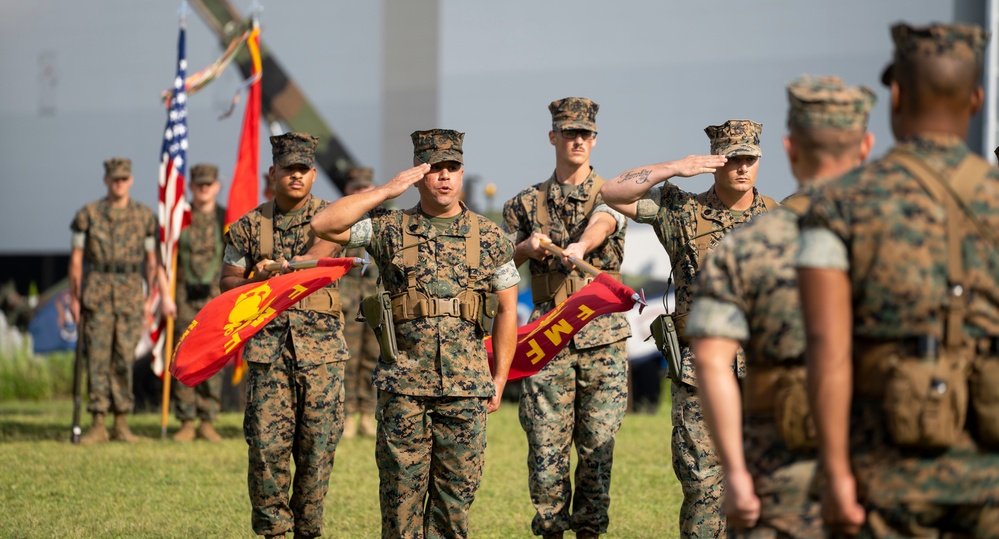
<point>222,327</point>
<point>243,190</point>
<point>174,212</point>
<point>542,339</point>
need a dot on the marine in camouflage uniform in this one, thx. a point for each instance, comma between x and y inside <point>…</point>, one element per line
<point>294,390</point>
<point>116,237</point>
<point>433,399</point>
<point>361,341</point>
<point>689,225</point>
<point>747,293</point>
<point>580,397</point>
<point>199,268</point>
<point>877,278</point>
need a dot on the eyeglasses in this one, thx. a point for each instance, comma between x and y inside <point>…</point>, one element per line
<point>571,134</point>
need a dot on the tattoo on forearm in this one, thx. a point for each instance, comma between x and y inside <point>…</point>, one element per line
<point>640,176</point>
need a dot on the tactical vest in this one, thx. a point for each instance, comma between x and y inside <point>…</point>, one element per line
<point>184,253</point>
<point>555,284</point>
<point>325,300</point>
<point>470,305</point>
<point>926,388</point>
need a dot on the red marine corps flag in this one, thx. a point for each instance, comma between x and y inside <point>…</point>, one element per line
<point>541,340</point>
<point>222,327</point>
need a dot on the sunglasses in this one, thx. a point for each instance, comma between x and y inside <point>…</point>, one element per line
<point>572,134</point>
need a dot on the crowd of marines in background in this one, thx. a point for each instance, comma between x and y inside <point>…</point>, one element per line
<point>838,352</point>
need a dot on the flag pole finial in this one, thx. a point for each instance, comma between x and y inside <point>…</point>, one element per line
<point>182,11</point>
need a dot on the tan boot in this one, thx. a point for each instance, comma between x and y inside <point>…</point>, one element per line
<point>120,431</point>
<point>367,426</point>
<point>186,432</point>
<point>349,427</point>
<point>206,431</point>
<point>98,433</point>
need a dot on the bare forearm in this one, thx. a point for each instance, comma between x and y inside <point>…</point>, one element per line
<point>721,400</point>
<point>600,227</point>
<point>505,333</point>
<point>334,221</point>
<point>75,273</point>
<point>825,298</point>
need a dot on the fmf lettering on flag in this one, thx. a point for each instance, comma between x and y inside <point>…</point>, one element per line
<point>542,339</point>
<point>222,327</point>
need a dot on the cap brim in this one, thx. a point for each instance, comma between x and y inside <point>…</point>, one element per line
<point>589,126</point>
<point>741,149</point>
<point>289,161</point>
<point>201,180</point>
<point>119,175</point>
<point>441,157</point>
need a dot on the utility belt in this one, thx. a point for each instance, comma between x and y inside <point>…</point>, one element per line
<point>471,306</point>
<point>324,300</point>
<point>558,286</point>
<point>780,393</point>
<point>119,267</point>
<point>925,388</point>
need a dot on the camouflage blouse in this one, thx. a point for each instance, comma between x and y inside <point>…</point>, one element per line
<point>672,212</point>
<point>438,356</point>
<point>520,220</point>
<point>115,237</point>
<point>315,337</point>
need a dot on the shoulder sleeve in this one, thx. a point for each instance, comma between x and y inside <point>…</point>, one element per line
<point>824,231</point>
<point>151,223</point>
<point>81,221</point>
<point>648,206</point>
<point>515,222</point>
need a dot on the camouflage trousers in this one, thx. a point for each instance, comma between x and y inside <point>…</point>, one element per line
<point>696,465</point>
<point>292,411</point>
<point>784,481</point>
<point>203,401</point>
<point>110,341</point>
<point>430,452</point>
<point>364,354</point>
<point>579,398</point>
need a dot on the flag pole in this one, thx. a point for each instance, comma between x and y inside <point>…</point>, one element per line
<point>168,350</point>
<point>585,266</point>
<point>639,296</point>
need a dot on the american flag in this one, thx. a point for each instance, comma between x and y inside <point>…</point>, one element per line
<point>174,212</point>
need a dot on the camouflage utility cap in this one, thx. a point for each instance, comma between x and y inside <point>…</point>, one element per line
<point>204,173</point>
<point>294,149</point>
<point>960,41</point>
<point>118,167</point>
<point>437,145</point>
<point>360,177</point>
<point>574,113</point>
<point>735,137</point>
<point>828,103</point>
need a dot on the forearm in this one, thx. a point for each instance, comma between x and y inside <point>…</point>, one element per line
<point>75,273</point>
<point>825,298</point>
<point>600,227</point>
<point>152,272</point>
<point>630,186</point>
<point>334,221</point>
<point>721,400</point>
<point>505,333</point>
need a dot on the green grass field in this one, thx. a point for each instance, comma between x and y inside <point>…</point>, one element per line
<point>156,488</point>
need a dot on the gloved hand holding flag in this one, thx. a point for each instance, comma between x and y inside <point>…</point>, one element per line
<point>219,331</point>
<point>541,340</point>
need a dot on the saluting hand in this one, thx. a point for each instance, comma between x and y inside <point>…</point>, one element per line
<point>692,165</point>
<point>405,179</point>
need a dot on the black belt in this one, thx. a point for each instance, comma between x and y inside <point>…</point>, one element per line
<point>116,268</point>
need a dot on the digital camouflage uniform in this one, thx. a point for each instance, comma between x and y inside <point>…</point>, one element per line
<point>361,341</point>
<point>581,395</point>
<point>294,390</point>
<point>747,291</point>
<point>882,228</point>
<point>199,267</point>
<point>672,213</point>
<point>115,247</point>
<point>432,400</point>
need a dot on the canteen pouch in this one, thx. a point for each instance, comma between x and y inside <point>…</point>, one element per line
<point>377,310</point>
<point>487,312</point>
<point>925,402</point>
<point>984,382</point>
<point>663,331</point>
<point>792,412</point>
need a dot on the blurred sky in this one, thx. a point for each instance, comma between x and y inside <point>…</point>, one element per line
<point>82,79</point>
